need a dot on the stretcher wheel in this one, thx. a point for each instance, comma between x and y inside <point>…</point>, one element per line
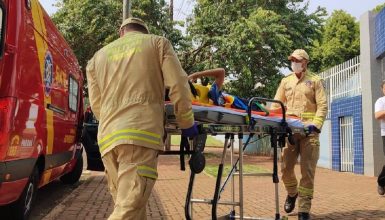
<point>197,162</point>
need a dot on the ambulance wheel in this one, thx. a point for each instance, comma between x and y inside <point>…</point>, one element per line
<point>22,207</point>
<point>74,176</point>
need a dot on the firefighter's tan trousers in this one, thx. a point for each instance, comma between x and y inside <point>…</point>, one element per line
<point>308,150</point>
<point>131,174</point>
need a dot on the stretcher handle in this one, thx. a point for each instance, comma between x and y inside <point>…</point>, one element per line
<point>255,99</point>
<point>263,109</point>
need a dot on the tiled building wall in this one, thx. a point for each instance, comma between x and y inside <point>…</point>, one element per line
<point>379,34</point>
<point>344,107</point>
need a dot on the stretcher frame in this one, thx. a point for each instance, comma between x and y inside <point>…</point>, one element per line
<point>278,132</point>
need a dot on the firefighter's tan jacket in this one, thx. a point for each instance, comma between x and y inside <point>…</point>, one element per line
<point>126,84</point>
<point>304,97</point>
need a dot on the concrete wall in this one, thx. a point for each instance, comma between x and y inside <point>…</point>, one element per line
<point>325,159</point>
<point>371,90</point>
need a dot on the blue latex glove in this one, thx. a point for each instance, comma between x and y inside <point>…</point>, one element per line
<point>190,132</point>
<point>312,129</point>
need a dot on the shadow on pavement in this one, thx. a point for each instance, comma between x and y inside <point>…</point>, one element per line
<point>47,198</point>
<point>155,209</point>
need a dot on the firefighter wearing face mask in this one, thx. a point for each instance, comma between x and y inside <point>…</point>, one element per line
<point>303,94</point>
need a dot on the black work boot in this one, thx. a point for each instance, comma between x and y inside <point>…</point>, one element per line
<point>290,203</point>
<point>303,216</point>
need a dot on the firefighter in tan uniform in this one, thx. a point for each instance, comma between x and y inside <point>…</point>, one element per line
<point>303,94</point>
<point>126,82</point>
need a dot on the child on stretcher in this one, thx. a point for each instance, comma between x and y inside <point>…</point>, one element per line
<point>212,94</point>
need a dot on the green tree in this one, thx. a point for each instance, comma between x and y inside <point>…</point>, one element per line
<point>378,8</point>
<point>251,39</point>
<point>340,42</point>
<point>88,25</point>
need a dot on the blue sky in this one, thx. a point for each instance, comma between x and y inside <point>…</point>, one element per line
<point>182,8</point>
<point>353,7</point>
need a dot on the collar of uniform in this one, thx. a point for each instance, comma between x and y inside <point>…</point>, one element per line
<point>302,76</point>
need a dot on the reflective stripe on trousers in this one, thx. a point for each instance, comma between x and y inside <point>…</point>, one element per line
<point>308,150</point>
<point>131,174</point>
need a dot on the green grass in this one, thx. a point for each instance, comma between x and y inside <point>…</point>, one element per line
<point>212,170</point>
<point>210,142</point>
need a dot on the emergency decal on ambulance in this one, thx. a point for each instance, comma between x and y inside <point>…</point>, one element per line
<point>69,139</point>
<point>60,78</point>
<point>42,49</point>
<point>26,142</point>
<point>48,73</point>
<point>14,146</point>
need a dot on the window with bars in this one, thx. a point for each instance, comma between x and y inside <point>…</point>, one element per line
<point>346,144</point>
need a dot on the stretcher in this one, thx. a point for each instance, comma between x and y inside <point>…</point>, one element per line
<point>215,120</point>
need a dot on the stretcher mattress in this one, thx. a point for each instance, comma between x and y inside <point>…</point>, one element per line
<point>228,116</point>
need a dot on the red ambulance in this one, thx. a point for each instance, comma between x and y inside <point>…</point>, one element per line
<point>40,106</point>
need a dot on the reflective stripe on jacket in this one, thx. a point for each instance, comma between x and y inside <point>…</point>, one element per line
<point>304,97</point>
<point>126,83</point>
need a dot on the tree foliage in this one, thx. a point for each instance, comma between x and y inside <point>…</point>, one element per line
<point>88,25</point>
<point>251,39</point>
<point>379,8</point>
<point>340,42</point>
